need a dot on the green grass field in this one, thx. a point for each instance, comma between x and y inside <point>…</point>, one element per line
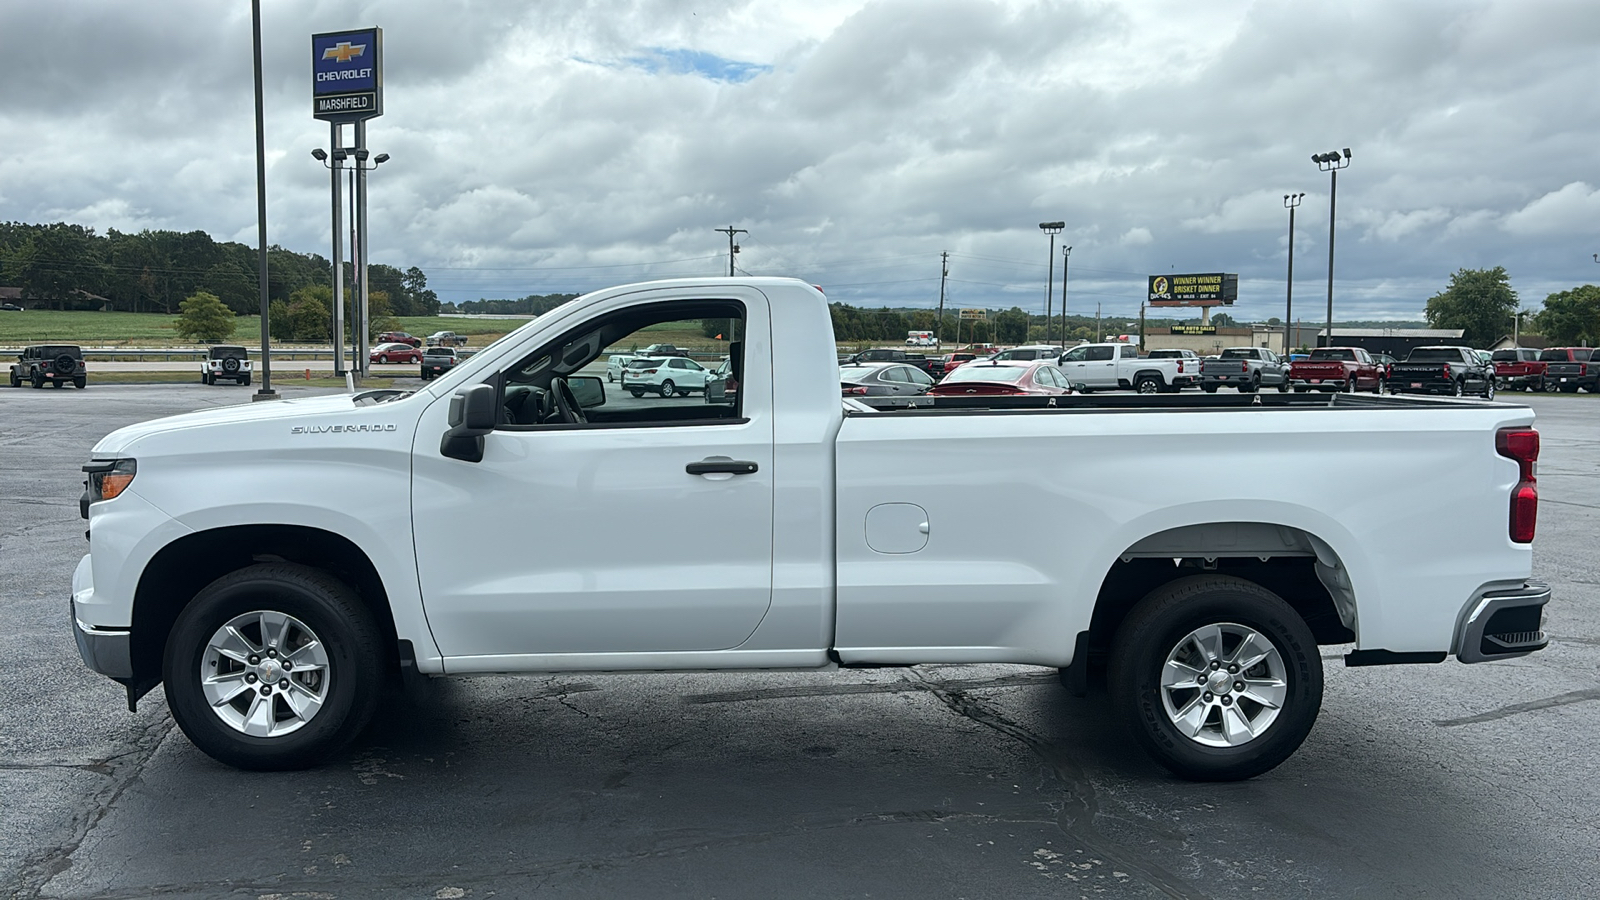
<point>122,329</point>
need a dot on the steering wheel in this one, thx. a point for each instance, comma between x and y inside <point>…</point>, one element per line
<point>567,402</point>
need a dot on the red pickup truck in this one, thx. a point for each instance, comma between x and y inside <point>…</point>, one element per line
<point>1519,368</point>
<point>1337,369</point>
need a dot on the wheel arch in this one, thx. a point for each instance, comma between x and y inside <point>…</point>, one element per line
<point>1289,560</point>
<point>183,567</point>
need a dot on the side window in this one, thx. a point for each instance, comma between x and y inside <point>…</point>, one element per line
<point>893,374</point>
<point>646,390</point>
<point>1129,351</point>
<point>1076,354</point>
<point>918,376</point>
<point>1096,354</point>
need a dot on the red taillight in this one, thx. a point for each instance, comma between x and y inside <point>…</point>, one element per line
<point>1446,370</point>
<point>1583,369</point>
<point>1522,445</point>
<point>853,389</point>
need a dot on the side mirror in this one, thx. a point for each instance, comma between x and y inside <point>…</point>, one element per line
<point>473,414</point>
<point>588,390</point>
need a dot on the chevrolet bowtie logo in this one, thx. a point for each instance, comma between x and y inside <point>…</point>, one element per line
<point>344,51</point>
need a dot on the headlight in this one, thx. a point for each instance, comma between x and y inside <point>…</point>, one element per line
<point>108,478</point>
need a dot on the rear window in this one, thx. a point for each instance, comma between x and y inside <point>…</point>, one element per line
<point>1168,354</point>
<point>1505,356</point>
<point>1239,353</point>
<point>1434,354</point>
<point>1323,353</point>
<point>644,363</point>
<point>980,372</point>
<point>439,351</point>
<point>1553,356</point>
<point>855,373</point>
<point>55,350</point>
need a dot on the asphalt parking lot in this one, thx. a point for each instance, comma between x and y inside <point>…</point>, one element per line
<point>939,781</point>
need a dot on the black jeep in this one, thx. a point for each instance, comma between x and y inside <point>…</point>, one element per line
<point>53,364</point>
<point>226,363</point>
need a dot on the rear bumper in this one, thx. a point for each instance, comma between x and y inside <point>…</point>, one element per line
<point>1503,624</point>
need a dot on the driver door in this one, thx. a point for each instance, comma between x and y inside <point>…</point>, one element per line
<point>597,538</point>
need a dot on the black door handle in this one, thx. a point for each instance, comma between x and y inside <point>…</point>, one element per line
<point>721,466</point>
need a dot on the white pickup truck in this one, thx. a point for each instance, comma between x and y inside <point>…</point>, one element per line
<point>470,527</point>
<point>1108,366</point>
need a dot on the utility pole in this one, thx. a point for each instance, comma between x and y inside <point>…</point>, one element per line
<point>1096,324</point>
<point>1291,201</point>
<point>733,248</point>
<point>938,324</point>
<point>1141,326</point>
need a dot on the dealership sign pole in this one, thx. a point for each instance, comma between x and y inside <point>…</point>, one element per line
<point>347,87</point>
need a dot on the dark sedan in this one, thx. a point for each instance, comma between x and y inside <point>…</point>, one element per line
<point>883,380</point>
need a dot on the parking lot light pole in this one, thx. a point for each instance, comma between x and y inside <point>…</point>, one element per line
<point>266,392</point>
<point>1052,229</point>
<point>1331,162</point>
<point>1066,255</point>
<point>1290,201</point>
<point>336,167</point>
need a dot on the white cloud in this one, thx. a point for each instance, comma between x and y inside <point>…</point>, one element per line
<point>1573,209</point>
<point>1136,237</point>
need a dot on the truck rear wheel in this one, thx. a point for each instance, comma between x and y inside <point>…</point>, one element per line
<point>1217,678</point>
<point>1147,384</point>
<point>273,667</point>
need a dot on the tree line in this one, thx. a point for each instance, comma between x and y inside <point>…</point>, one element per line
<point>64,266</point>
<point>1482,303</point>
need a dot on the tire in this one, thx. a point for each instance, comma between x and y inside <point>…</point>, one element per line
<point>36,379</point>
<point>208,378</point>
<point>1283,386</point>
<point>383,358</point>
<point>636,394</point>
<point>1250,388</point>
<point>1488,389</point>
<point>1147,384</point>
<point>1565,388</point>
<point>1165,627</point>
<point>307,604</point>
<point>1300,390</point>
<point>15,381</point>
<point>1209,388</point>
<point>1349,386</point>
<point>80,382</point>
<point>1383,385</point>
<point>245,381</point>
<point>667,387</point>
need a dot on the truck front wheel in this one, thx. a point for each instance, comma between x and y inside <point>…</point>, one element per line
<point>273,667</point>
<point>1216,677</point>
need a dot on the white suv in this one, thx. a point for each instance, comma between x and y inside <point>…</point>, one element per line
<point>673,375</point>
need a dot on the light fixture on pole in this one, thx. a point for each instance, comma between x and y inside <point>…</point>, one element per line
<point>1052,229</point>
<point>1290,201</point>
<point>1331,162</point>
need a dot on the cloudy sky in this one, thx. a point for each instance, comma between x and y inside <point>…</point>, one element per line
<point>556,146</point>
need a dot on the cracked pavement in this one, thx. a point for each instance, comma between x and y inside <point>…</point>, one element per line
<point>938,781</point>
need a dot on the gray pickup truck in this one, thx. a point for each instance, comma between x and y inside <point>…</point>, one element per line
<point>1247,368</point>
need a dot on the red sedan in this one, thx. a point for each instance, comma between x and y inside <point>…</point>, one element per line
<point>395,353</point>
<point>1006,376</point>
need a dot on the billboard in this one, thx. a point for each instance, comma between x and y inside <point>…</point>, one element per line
<point>347,75</point>
<point>1194,329</point>
<point>1208,289</point>
<point>974,314</point>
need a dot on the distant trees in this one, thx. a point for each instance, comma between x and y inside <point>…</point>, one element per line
<point>531,305</point>
<point>1571,317</point>
<point>204,317</point>
<point>1478,301</point>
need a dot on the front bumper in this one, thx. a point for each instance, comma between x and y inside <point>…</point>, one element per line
<point>105,649</point>
<point>1503,624</point>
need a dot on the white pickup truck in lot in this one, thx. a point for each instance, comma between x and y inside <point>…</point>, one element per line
<point>469,527</point>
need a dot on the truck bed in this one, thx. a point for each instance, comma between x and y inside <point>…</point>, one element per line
<point>1159,402</point>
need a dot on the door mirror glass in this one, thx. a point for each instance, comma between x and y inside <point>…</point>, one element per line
<point>589,390</point>
<point>473,411</point>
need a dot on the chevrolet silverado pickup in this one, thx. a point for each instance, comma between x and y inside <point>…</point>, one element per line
<point>1248,369</point>
<point>469,527</point>
<point>1442,370</point>
<point>1117,365</point>
<point>1337,369</point>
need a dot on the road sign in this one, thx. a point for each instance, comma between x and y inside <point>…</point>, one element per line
<point>1208,289</point>
<point>974,314</point>
<point>347,75</point>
